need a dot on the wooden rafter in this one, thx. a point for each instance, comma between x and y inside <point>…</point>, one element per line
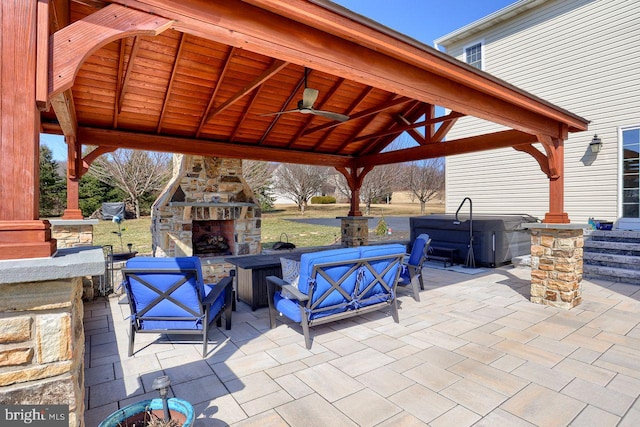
<point>245,113</point>
<point>274,69</point>
<point>122,45</point>
<point>354,105</point>
<point>128,71</point>
<point>471,144</point>
<point>64,107</point>
<point>414,111</point>
<point>445,127</point>
<point>167,93</point>
<point>429,129</point>
<point>216,89</point>
<point>283,107</point>
<point>413,133</point>
<point>398,100</point>
<point>403,127</point>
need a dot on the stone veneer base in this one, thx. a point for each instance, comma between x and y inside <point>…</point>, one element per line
<point>42,334</point>
<point>556,264</point>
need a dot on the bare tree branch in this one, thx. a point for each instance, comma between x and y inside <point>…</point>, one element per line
<point>425,178</point>
<point>134,172</point>
<point>299,183</point>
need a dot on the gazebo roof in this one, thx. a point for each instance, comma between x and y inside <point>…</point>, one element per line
<point>198,76</point>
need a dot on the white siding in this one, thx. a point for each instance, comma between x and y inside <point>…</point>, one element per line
<point>581,55</point>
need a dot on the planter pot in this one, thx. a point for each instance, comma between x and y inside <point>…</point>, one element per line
<point>180,410</point>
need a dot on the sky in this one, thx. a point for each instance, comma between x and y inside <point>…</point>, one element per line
<point>423,20</point>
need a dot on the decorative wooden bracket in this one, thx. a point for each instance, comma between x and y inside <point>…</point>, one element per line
<point>71,45</point>
<point>354,177</point>
<point>548,164</point>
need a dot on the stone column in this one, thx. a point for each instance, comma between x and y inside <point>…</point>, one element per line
<point>72,233</point>
<point>41,330</point>
<point>556,264</point>
<point>355,231</point>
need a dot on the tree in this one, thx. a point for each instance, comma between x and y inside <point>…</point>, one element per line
<point>92,193</point>
<point>53,186</point>
<point>425,178</point>
<point>299,182</point>
<point>134,172</point>
<point>258,176</point>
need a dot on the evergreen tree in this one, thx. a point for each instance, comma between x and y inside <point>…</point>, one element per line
<point>93,192</point>
<point>53,187</point>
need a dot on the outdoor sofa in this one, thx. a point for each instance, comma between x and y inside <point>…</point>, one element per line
<point>337,284</point>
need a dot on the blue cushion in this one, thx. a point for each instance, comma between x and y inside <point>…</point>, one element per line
<point>287,307</point>
<point>418,249</point>
<point>191,293</point>
<point>378,292</point>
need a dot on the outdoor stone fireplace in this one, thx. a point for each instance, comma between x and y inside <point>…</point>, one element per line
<point>208,210</point>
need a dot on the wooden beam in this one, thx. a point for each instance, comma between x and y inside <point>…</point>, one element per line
<point>214,94</point>
<point>471,144</point>
<point>245,113</point>
<point>128,72</point>
<point>413,133</point>
<point>42,55</point>
<point>258,30</point>
<point>69,46</point>
<point>539,156</point>
<point>274,69</point>
<point>444,129</point>
<point>139,141</point>
<point>123,45</point>
<point>413,112</point>
<point>167,93</point>
<point>348,25</point>
<point>399,100</point>
<point>65,110</point>
<point>402,128</point>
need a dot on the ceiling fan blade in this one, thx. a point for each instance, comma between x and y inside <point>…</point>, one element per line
<point>330,115</point>
<point>280,112</point>
<point>309,97</point>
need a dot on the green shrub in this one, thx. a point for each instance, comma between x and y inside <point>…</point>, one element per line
<point>322,200</point>
<point>381,228</point>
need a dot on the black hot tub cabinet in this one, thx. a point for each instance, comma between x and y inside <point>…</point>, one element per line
<point>496,238</point>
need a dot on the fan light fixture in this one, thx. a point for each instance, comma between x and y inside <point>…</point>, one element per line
<point>596,144</point>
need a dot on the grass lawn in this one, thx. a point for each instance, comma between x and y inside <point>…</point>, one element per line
<point>274,223</point>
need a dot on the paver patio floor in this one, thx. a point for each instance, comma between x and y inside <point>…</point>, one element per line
<point>474,351</point>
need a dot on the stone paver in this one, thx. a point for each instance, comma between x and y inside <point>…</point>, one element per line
<point>474,351</point>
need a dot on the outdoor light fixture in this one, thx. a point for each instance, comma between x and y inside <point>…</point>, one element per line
<point>162,385</point>
<point>596,144</point>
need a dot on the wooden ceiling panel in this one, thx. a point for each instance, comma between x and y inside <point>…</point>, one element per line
<point>179,83</point>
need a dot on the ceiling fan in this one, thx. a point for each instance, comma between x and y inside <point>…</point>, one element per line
<point>305,105</point>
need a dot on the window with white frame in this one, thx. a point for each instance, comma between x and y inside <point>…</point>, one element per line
<point>473,55</point>
<point>631,172</point>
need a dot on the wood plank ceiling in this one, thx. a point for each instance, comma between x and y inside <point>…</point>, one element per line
<point>190,89</point>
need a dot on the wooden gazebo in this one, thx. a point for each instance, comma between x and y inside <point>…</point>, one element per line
<point>212,77</point>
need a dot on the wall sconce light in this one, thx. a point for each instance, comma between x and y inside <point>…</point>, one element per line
<point>596,144</point>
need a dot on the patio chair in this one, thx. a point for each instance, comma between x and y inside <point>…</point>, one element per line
<point>411,273</point>
<point>168,295</point>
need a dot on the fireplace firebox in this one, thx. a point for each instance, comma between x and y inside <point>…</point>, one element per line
<point>213,237</point>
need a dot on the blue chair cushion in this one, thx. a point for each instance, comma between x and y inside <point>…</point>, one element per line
<point>288,307</point>
<point>417,249</point>
<point>190,294</point>
<point>378,292</point>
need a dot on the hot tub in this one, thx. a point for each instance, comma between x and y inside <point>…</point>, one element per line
<point>496,238</point>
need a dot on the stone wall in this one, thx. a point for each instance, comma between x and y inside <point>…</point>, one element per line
<point>72,233</point>
<point>355,231</point>
<point>41,329</point>
<point>556,266</point>
<point>42,345</point>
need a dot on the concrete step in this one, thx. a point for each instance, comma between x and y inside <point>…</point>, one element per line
<point>612,235</point>
<point>611,260</point>
<point>611,274</point>
<point>612,247</point>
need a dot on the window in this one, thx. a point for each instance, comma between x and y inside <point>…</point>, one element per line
<point>473,55</point>
<point>631,173</point>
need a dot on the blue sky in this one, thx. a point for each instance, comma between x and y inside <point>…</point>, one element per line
<point>424,20</point>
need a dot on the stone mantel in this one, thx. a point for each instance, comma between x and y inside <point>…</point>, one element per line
<point>66,263</point>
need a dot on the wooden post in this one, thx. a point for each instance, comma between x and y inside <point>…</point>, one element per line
<point>22,234</point>
<point>74,173</point>
<point>555,153</point>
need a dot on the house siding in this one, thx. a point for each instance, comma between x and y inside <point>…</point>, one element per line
<point>580,55</point>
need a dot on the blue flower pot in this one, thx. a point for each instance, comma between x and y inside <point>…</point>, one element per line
<point>119,417</point>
